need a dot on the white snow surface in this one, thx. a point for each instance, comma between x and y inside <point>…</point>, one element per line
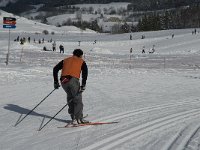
<point>154,97</point>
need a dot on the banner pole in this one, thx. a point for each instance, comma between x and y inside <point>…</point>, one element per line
<point>7,56</point>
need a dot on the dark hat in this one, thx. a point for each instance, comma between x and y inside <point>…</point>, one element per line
<point>78,52</point>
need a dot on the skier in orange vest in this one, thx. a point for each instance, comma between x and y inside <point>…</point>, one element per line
<point>72,67</point>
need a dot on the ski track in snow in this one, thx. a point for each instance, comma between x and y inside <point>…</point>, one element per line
<point>163,123</point>
<point>183,139</point>
<point>134,132</point>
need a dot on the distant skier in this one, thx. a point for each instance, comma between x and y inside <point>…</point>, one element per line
<point>44,48</point>
<point>172,36</point>
<point>54,46</point>
<point>29,39</point>
<point>130,37</point>
<point>152,50</point>
<point>143,49</point>
<point>71,68</point>
<point>61,48</point>
<point>131,51</point>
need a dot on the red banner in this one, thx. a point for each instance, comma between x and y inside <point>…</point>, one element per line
<point>9,22</point>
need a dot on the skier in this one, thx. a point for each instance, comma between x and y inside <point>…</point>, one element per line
<point>61,48</point>
<point>172,36</point>
<point>130,37</point>
<point>54,46</point>
<point>131,51</point>
<point>29,39</point>
<point>143,49</point>
<point>152,50</point>
<point>71,69</point>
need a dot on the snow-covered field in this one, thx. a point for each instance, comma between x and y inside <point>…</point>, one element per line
<point>154,97</point>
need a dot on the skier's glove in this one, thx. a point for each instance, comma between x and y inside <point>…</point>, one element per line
<point>82,88</point>
<point>56,85</point>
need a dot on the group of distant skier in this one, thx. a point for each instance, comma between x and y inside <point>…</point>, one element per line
<point>151,51</point>
<point>61,47</point>
<point>23,40</point>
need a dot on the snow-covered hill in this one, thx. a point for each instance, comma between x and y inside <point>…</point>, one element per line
<point>154,97</point>
<point>96,14</point>
<point>24,25</point>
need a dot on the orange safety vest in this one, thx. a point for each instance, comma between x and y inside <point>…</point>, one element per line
<point>72,66</point>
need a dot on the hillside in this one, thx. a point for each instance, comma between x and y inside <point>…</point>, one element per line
<point>23,25</point>
<point>154,97</point>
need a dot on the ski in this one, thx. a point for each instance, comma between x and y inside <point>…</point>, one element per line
<point>87,124</point>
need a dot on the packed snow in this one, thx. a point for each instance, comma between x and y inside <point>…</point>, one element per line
<point>153,96</point>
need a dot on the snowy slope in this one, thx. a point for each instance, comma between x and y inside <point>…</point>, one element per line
<point>23,25</point>
<point>155,97</point>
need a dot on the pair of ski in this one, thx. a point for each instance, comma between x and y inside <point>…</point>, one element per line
<point>69,125</point>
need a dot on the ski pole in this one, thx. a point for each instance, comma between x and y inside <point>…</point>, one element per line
<point>53,117</point>
<point>57,113</point>
<point>34,108</point>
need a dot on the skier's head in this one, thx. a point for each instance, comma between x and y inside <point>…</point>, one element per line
<point>78,52</point>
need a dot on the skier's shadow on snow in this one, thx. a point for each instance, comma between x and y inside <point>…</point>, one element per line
<point>22,110</point>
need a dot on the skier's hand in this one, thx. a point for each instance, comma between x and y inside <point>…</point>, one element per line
<point>56,85</point>
<point>82,88</point>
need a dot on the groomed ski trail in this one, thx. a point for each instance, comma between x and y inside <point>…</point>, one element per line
<point>164,123</point>
<point>183,139</point>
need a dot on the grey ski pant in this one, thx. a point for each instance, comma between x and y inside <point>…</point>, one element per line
<point>76,105</point>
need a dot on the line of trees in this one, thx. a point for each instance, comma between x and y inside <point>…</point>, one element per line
<point>188,17</point>
<point>83,25</point>
<point>135,5</point>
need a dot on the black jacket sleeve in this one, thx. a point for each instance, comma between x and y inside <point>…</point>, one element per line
<point>56,70</point>
<point>84,69</point>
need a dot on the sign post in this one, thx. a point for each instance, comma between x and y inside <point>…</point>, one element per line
<point>9,23</point>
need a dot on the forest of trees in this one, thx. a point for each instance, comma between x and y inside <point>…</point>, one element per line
<point>187,17</point>
<point>136,5</point>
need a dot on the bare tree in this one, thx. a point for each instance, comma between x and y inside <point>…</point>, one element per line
<point>79,15</point>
